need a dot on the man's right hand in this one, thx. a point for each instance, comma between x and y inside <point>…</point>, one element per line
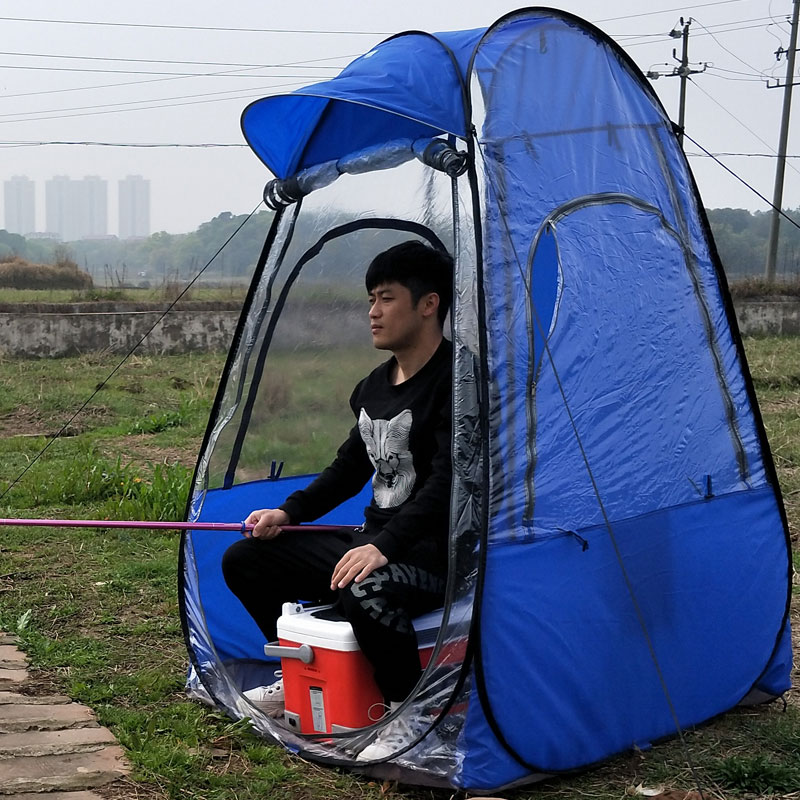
<point>266,522</point>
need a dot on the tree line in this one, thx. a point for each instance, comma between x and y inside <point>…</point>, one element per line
<point>740,236</point>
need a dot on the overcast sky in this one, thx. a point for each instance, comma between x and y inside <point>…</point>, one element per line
<point>181,72</point>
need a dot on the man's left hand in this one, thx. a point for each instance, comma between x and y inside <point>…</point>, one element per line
<point>357,564</point>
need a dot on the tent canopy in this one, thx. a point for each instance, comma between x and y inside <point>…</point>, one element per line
<point>416,77</point>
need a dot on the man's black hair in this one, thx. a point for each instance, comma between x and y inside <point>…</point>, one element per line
<point>418,267</point>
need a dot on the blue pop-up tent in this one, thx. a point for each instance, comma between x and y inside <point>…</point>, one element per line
<point>619,562</point>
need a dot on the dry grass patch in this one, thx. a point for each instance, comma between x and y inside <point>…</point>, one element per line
<point>18,273</point>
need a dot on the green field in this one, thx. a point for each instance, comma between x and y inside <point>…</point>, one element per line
<point>97,610</point>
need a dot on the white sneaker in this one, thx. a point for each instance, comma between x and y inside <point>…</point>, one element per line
<point>396,736</point>
<point>269,699</point>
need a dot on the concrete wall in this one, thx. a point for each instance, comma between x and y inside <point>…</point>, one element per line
<point>769,317</point>
<point>70,331</point>
<point>52,335</point>
<point>42,333</point>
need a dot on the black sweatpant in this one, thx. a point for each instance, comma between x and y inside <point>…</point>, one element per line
<point>264,574</point>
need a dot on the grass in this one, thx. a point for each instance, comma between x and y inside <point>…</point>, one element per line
<point>775,366</point>
<point>97,610</point>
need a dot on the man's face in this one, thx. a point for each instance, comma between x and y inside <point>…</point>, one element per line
<point>394,320</point>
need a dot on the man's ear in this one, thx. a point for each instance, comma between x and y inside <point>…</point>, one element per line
<point>430,304</point>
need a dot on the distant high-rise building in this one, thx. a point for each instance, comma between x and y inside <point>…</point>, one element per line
<point>134,207</point>
<point>76,209</point>
<point>95,193</point>
<point>20,205</point>
<point>59,196</point>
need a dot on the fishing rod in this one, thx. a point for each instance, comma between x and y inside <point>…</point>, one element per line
<point>239,527</point>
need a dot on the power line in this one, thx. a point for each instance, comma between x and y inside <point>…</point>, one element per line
<point>618,37</point>
<point>202,27</point>
<point>665,10</point>
<point>777,38</point>
<point>772,17</point>
<point>727,50</point>
<point>306,64</point>
<point>315,31</point>
<point>735,71</point>
<point>307,31</point>
<point>159,80</point>
<point>226,74</point>
<point>235,73</point>
<point>23,143</point>
<point>729,78</point>
<point>743,181</point>
<point>654,38</point>
<point>153,145</point>
<point>697,35</point>
<point>733,116</point>
<point>738,155</point>
<point>28,115</point>
<point>236,94</point>
<point>233,96</point>
<point>714,25</point>
<point>229,95</point>
<point>297,65</point>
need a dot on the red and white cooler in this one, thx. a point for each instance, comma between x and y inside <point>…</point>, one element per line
<point>327,680</point>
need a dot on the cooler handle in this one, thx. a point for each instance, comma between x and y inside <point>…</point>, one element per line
<point>303,652</point>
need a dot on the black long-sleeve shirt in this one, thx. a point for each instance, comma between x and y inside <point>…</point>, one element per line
<point>402,439</point>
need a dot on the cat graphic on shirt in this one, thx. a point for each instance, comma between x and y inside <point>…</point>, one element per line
<point>387,446</point>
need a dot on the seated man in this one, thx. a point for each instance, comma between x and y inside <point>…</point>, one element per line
<point>394,567</point>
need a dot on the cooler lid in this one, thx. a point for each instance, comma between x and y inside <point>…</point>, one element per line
<point>318,626</point>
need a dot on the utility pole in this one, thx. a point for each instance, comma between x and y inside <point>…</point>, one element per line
<point>682,71</point>
<point>777,195</point>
